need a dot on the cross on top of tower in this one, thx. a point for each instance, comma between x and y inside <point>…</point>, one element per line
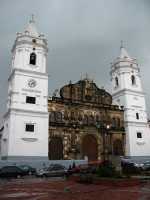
<point>123,51</point>
<point>31,27</point>
<point>32,20</point>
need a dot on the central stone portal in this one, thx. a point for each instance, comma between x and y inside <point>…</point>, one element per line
<point>90,147</point>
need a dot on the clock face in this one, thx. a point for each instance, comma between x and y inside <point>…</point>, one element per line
<point>32,83</point>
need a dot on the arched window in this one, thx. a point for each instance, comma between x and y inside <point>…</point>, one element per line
<point>133,79</point>
<point>33,58</point>
<point>116,81</point>
<point>137,115</point>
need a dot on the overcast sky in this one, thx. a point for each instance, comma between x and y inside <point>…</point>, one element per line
<point>83,37</point>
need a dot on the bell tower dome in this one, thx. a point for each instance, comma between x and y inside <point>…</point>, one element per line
<point>30,49</point>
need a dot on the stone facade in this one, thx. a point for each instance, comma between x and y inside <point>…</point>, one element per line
<point>83,123</point>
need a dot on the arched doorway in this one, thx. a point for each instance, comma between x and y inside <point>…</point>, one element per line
<point>90,147</point>
<point>55,148</point>
<point>117,148</point>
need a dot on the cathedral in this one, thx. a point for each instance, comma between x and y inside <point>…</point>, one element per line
<point>83,122</point>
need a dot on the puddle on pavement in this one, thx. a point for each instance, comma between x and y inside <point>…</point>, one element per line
<point>18,194</point>
<point>21,194</point>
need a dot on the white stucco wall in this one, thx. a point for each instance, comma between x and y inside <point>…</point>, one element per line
<point>22,143</point>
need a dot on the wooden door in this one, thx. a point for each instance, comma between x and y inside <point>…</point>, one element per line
<point>56,148</point>
<point>90,147</point>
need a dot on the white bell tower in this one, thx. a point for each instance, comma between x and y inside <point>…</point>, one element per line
<point>26,121</point>
<point>127,91</point>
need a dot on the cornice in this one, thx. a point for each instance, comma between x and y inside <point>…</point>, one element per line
<point>27,71</point>
<point>15,110</point>
<point>28,42</point>
<point>133,123</point>
<point>128,90</point>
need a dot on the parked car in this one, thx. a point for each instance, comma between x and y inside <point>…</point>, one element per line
<point>135,166</point>
<point>11,171</point>
<point>145,166</point>
<point>54,170</point>
<point>28,169</point>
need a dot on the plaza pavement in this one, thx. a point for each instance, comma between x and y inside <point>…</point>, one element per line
<point>32,188</point>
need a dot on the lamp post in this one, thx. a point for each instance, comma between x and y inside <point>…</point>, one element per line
<point>104,130</point>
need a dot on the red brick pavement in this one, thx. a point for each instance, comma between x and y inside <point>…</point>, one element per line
<point>47,189</point>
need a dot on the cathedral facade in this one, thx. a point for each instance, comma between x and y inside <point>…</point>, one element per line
<point>83,123</point>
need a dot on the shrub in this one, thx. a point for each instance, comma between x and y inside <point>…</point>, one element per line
<point>86,178</point>
<point>105,171</point>
<point>108,170</point>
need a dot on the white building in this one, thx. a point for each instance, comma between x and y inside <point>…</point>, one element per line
<point>127,91</point>
<point>25,133</point>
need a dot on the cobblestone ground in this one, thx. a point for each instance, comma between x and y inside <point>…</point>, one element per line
<point>58,189</point>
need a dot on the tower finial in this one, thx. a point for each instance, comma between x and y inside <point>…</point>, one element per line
<point>121,44</point>
<point>86,76</point>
